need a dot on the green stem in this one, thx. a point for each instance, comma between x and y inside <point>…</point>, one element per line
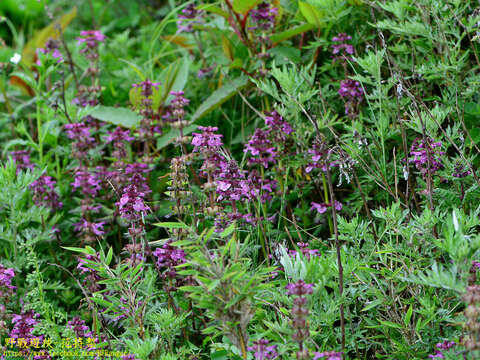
<point>325,193</point>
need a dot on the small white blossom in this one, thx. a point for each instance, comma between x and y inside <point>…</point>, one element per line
<point>15,59</point>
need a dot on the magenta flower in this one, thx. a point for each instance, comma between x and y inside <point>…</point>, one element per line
<point>353,94</point>
<point>187,19</point>
<point>322,208</point>
<point>262,149</point>
<point>44,193</point>
<point>299,288</point>
<point>341,46</point>
<point>87,183</point>
<point>6,276</point>
<point>79,328</point>
<point>23,324</point>
<point>131,204</point>
<point>147,87</point>
<point>168,257</point>
<point>328,355</point>
<point>90,228</point>
<point>207,140</point>
<point>262,351</point>
<point>119,135</point>
<point>421,156</point>
<point>51,47</point>
<point>21,158</point>
<point>91,38</point>
<point>263,17</point>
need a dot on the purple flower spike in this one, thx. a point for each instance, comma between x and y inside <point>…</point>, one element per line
<point>299,288</point>
<point>44,193</point>
<point>263,17</point>
<point>91,38</point>
<point>422,157</point>
<point>147,87</point>
<point>21,158</point>
<point>131,204</point>
<point>262,351</point>
<point>328,355</point>
<point>207,140</point>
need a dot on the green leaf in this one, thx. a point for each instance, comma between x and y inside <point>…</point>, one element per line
<point>117,116</point>
<point>80,250</point>
<point>166,139</point>
<point>408,316</point>
<point>242,6</point>
<point>287,34</point>
<point>109,256</point>
<point>311,13</point>
<point>213,9</point>
<point>219,96</point>
<point>172,225</point>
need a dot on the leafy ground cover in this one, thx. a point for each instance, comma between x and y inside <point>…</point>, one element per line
<point>239,179</point>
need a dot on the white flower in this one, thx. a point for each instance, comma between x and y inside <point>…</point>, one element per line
<point>15,59</point>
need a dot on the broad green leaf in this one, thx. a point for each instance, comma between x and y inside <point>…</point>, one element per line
<point>219,96</point>
<point>242,6</point>
<point>287,34</point>
<point>117,116</point>
<point>87,250</point>
<point>173,78</point>
<point>213,9</point>
<point>166,139</point>
<point>172,225</point>
<point>311,13</point>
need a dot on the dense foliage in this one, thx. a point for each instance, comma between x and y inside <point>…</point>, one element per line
<point>287,179</point>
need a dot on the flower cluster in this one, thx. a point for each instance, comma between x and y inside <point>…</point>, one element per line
<point>322,208</point>
<point>460,172</point>
<point>79,328</point>
<point>305,250</point>
<point>92,278</point>
<point>148,128</point>
<point>318,155</point>
<point>91,39</point>
<point>83,141</point>
<point>263,351</point>
<point>51,47</point>
<point>168,257</point>
<point>263,17</point>
<point>6,276</point>
<point>438,354</point>
<point>131,205</point>
<point>300,313</point>
<point>21,158</point>
<point>23,325</point>
<point>44,193</point>
<point>207,140</point>
<point>262,143</point>
<point>425,155</point>
<point>328,355</point>
<point>119,137</point>
<point>341,49</point>
<point>261,148</point>
<point>189,13</point>
<point>352,92</point>
<point>88,183</point>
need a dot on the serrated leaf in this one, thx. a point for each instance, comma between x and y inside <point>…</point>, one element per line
<point>117,116</point>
